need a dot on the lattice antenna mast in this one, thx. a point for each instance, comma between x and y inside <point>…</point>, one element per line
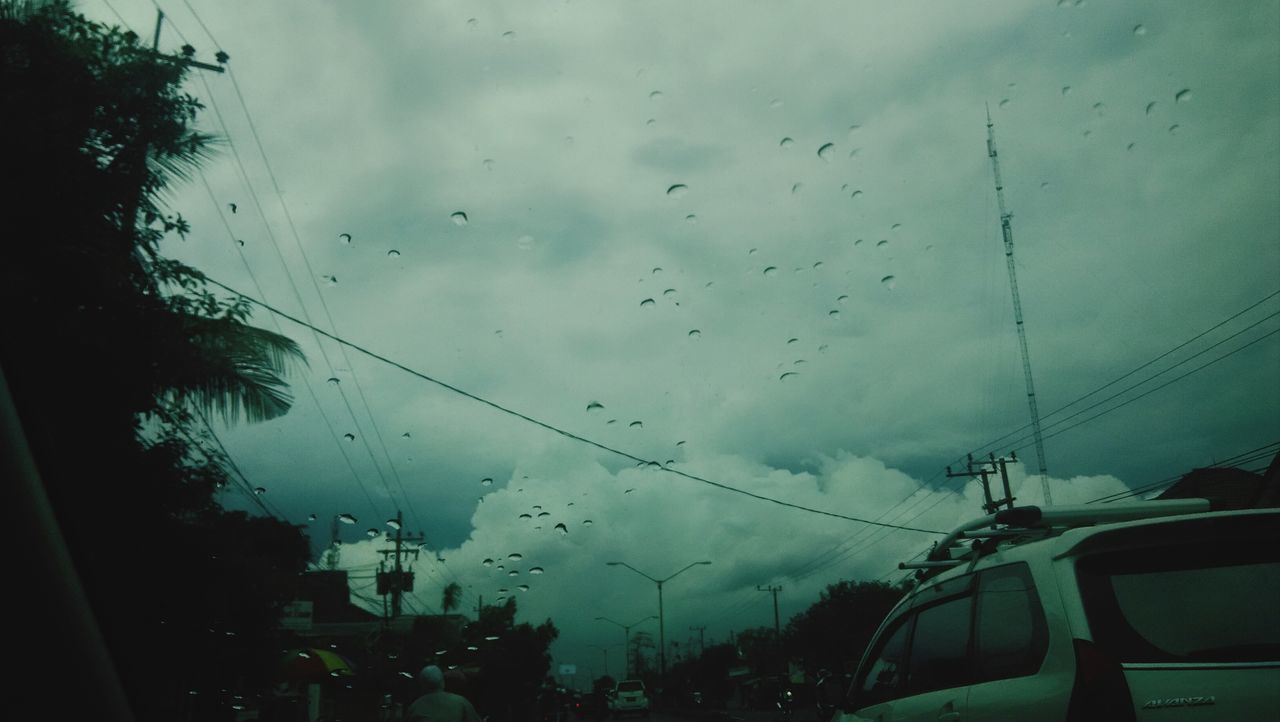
<point>1006,229</point>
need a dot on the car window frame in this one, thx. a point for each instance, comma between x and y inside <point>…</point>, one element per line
<point>1039,625</point>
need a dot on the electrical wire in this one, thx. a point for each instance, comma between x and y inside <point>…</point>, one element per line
<point>556,429</point>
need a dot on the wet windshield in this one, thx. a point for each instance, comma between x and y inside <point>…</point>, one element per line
<point>555,344</point>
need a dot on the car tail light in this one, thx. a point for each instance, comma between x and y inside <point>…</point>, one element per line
<point>1100,691</point>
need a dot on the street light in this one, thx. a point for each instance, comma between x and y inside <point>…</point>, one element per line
<point>605,648</point>
<point>662,639</point>
<point>626,637</point>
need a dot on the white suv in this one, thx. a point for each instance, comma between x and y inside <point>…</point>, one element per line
<point>1158,611</point>
<point>629,696</point>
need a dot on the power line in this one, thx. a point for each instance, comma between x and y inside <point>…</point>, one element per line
<point>1245,457</point>
<point>556,429</point>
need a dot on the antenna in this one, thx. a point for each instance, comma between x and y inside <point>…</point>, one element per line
<point>1006,229</point>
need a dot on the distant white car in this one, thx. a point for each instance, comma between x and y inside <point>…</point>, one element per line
<point>1159,611</point>
<point>629,697</point>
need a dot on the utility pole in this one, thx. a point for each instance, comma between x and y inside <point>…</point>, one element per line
<point>1006,229</point>
<point>984,470</point>
<point>332,561</point>
<point>702,640</point>
<point>398,581</point>
<point>777,629</point>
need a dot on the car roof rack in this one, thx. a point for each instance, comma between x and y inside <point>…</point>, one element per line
<point>977,537</point>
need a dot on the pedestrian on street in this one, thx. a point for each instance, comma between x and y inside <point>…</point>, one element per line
<point>437,705</point>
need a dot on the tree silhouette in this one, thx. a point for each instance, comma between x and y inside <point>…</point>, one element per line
<point>450,597</point>
<point>115,356</point>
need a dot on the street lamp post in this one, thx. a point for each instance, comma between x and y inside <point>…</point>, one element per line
<point>662,640</point>
<point>626,639</point>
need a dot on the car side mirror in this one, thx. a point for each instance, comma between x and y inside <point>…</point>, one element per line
<point>831,693</point>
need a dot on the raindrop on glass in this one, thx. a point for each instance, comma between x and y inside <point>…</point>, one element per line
<point>1150,107</point>
<point>486,481</point>
<point>349,436</point>
<point>771,271</point>
<point>515,556</point>
<point>562,529</point>
<point>240,243</point>
<point>1130,146</point>
<point>346,519</point>
<point>795,188</point>
<point>787,375</point>
<point>1173,129</point>
<point>646,303</point>
<point>459,218</point>
<point>311,517</point>
<point>535,570</point>
<point>594,406</point>
<point>373,533</point>
<point>1139,29</point>
<point>856,194</point>
<point>393,253</point>
<point>1066,90</point>
<point>487,562</point>
<point>513,573</point>
<point>793,340</point>
<point>695,333</point>
<point>775,103</point>
<point>889,281</point>
<point>472,23</point>
<point>333,381</point>
<point>834,313</point>
<point>786,142</point>
<point>680,443</point>
<point>393,523</point>
<point>896,227</point>
<point>1183,95</point>
<point>826,151</point>
<point>544,513</point>
<point>752,252</point>
<point>691,218</point>
<point>526,516</point>
<point>487,163</point>
<point>522,587</point>
<point>524,243</point>
<point>842,299</point>
<point>344,238</point>
<point>260,490</point>
<point>587,522</point>
<point>405,435</point>
<point>636,424</point>
<point>677,190</point>
<point>509,35</point>
<point>882,243</point>
<point>655,95</point>
<point>669,292</point>
<point>331,280</point>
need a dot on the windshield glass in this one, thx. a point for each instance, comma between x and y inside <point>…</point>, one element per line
<point>553,344</point>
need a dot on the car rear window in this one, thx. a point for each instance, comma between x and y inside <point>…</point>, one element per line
<point>1184,604</point>
<point>631,687</point>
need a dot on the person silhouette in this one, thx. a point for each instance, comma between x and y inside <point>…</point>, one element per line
<point>437,705</point>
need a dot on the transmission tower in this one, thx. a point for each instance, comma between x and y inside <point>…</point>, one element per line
<point>1006,229</point>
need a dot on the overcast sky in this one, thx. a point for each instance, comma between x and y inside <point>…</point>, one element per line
<point>764,238</point>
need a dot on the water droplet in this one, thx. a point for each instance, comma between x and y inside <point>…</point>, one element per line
<point>858,242</point>
<point>795,188</point>
<point>1066,90</point>
<point>669,292</point>
<point>775,103</point>
<point>651,122</point>
<point>522,587</point>
<point>691,218</point>
<point>1098,108</point>
<point>752,252</point>
<point>349,436</point>
<point>594,407</point>
<point>636,425</point>
<point>611,421</point>
<point>628,491</point>
<point>240,243</point>
<point>311,517</point>
<point>525,516</point>
<point>1183,95</point>
<point>487,163</point>
<point>373,533</point>
<point>344,238</point>
<point>393,253</point>
<point>535,570</point>
<point>509,35</point>
<point>259,490</point>
<point>486,481</point>
<point>889,281</point>
<point>826,151</point>
<point>544,513</point>
<point>331,280</point>
<point>842,299</point>
<point>1004,102</point>
<point>655,95</point>
<point>487,562</point>
<point>1173,129</point>
<point>770,271</point>
<point>513,573</point>
<point>677,190</point>
<point>587,522</point>
<point>492,637</point>
<point>1151,106</point>
<point>473,23</point>
<point>695,333</point>
<point>393,523</point>
<point>1139,29</point>
<point>459,218</point>
<point>834,313</point>
<point>537,507</point>
<point>787,375</point>
<point>646,303</point>
<point>525,243</point>
<point>334,381</point>
<point>346,519</point>
<point>786,142</point>
<point>564,530</point>
<point>1130,146</point>
<point>405,435</point>
<point>882,243</point>
<point>472,647</point>
<point>856,194</point>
